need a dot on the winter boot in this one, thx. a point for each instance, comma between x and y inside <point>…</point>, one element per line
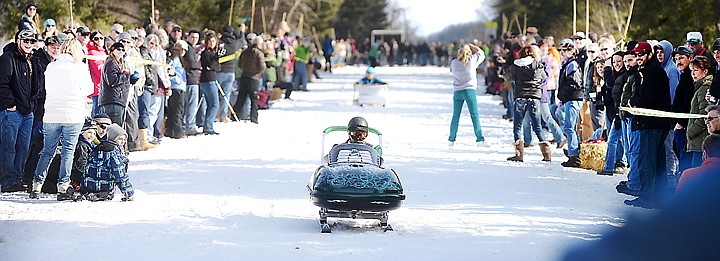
<point>36,187</point>
<point>519,151</point>
<point>546,151</point>
<point>572,162</point>
<point>65,191</point>
<point>143,141</point>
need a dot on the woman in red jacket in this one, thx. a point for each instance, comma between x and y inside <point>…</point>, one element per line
<point>96,51</point>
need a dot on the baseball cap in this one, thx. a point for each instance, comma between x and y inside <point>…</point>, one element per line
<point>82,30</point>
<point>25,35</point>
<point>52,40</point>
<point>117,45</point>
<point>642,47</point>
<point>49,22</point>
<point>694,37</point>
<point>684,50</point>
<point>370,70</point>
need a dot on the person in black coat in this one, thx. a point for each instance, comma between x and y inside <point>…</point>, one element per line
<point>115,85</point>
<point>652,91</point>
<point>21,85</point>
<point>681,104</point>
<point>528,75</point>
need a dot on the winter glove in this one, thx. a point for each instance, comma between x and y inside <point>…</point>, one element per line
<point>222,52</point>
<point>134,77</point>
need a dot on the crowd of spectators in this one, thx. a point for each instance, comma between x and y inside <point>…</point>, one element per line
<point>575,91</point>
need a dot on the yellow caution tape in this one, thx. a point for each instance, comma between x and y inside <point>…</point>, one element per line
<point>231,57</point>
<point>130,59</point>
<point>661,114</point>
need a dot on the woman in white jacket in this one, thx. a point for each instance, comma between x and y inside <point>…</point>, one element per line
<point>67,85</point>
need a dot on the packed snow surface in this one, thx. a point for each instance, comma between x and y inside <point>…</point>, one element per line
<point>242,195</point>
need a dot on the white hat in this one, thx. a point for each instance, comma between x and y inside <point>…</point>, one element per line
<point>694,35</point>
<point>580,35</point>
<point>183,44</point>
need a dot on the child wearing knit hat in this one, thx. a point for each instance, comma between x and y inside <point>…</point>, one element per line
<point>107,167</point>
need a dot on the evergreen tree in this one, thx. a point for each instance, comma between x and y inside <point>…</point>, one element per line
<point>360,17</point>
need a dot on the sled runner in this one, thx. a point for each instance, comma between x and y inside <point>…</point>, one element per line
<point>353,183</point>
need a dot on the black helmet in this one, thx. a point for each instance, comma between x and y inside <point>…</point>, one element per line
<point>358,123</point>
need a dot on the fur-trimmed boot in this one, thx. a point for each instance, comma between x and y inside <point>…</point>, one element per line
<point>546,151</point>
<point>519,151</point>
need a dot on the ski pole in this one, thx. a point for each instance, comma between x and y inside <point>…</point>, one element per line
<point>232,110</point>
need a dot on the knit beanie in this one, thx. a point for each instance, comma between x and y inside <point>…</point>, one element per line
<point>716,45</point>
<point>114,131</point>
<point>102,118</point>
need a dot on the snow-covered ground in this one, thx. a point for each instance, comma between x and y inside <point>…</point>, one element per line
<point>241,195</point>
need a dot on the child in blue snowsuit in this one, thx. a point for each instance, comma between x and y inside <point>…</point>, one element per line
<point>106,168</point>
<point>370,77</point>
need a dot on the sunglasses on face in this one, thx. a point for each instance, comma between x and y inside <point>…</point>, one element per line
<point>51,25</point>
<point>125,41</point>
<point>85,34</point>
<point>103,126</point>
<point>603,49</point>
<point>120,49</point>
<point>591,51</point>
<point>710,118</point>
<point>29,41</point>
<point>98,38</point>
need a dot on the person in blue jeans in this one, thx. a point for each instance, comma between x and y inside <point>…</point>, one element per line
<point>210,63</point>
<point>465,86</point>
<point>570,92</point>
<point>67,86</point>
<point>20,87</point>
<point>528,74</point>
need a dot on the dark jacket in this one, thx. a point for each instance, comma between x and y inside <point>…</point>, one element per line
<point>210,65</point>
<point>25,23</point>
<point>570,82</point>
<point>617,88</point>
<point>715,87</point>
<point>696,128</point>
<point>652,91</point>
<point>193,67</point>
<point>115,84</point>
<point>683,95</point>
<point>151,74</point>
<point>605,96</point>
<point>231,44</point>
<point>19,85</point>
<point>527,74</point>
<point>82,153</point>
<point>45,59</point>
<point>628,88</point>
<point>252,63</point>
